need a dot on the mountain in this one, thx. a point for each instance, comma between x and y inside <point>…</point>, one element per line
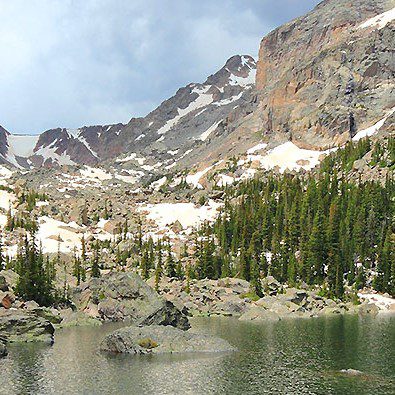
<point>321,80</point>
<point>184,121</point>
<point>325,75</point>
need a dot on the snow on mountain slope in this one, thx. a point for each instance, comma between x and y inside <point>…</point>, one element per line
<point>380,20</point>
<point>287,156</point>
<point>179,123</point>
<point>370,131</point>
<point>21,145</point>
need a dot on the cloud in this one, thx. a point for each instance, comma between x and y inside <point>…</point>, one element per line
<point>72,63</point>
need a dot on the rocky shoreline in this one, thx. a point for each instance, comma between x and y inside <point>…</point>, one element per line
<point>232,297</point>
<point>125,296</point>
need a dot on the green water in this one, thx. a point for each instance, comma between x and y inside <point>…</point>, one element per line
<point>288,357</point>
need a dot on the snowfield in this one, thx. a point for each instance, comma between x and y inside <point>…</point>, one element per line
<point>6,199</point>
<point>21,145</point>
<point>93,172</point>
<point>380,20</point>
<point>287,156</point>
<point>70,235</point>
<point>189,215</point>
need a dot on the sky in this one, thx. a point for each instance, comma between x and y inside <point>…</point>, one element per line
<point>70,63</point>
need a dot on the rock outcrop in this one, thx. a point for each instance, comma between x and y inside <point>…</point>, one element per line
<point>125,296</point>
<point>161,340</point>
<point>18,325</point>
<point>226,296</point>
<point>3,349</point>
<point>324,75</point>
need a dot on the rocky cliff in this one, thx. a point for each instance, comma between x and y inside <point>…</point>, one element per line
<point>325,75</point>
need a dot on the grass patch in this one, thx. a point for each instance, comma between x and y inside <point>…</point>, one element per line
<point>148,343</point>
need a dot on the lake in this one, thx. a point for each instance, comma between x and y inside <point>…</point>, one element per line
<point>300,356</point>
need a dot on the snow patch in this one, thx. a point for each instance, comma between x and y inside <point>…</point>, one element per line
<point>202,100</point>
<point>6,199</point>
<point>211,129</point>
<point>288,156</point>
<point>380,20</point>
<point>258,147</point>
<point>189,215</point>
<point>373,129</point>
<point>156,185</point>
<point>382,302</point>
<point>195,178</point>
<point>225,102</point>
<point>243,81</point>
<point>93,172</point>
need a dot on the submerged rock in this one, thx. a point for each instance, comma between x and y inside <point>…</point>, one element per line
<point>78,318</point>
<point>368,309</point>
<point>25,326</point>
<point>161,339</point>
<point>125,296</point>
<point>351,372</point>
<point>259,314</point>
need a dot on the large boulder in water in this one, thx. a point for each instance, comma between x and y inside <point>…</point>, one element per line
<point>25,326</point>
<point>125,296</point>
<point>161,339</point>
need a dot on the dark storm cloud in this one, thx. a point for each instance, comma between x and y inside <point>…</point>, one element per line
<point>72,63</point>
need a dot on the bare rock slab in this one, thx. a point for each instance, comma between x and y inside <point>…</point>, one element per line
<point>161,340</point>
<point>25,326</point>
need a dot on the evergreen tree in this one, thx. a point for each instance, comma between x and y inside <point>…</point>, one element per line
<point>170,263</point>
<point>33,283</point>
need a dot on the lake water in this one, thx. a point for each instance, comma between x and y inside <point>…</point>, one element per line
<point>288,357</point>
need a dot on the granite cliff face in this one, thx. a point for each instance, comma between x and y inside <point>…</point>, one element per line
<point>325,75</point>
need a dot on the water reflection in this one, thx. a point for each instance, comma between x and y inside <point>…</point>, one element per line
<point>286,357</point>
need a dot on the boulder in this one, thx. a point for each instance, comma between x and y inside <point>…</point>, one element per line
<point>78,318</point>
<point>258,314</point>
<point>368,309</point>
<point>6,299</point>
<point>271,286</point>
<point>3,348</point>
<point>3,283</point>
<point>112,226</point>
<point>8,280</point>
<point>296,296</point>
<point>230,307</point>
<point>161,339</point>
<point>25,326</point>
<point>125,296</point>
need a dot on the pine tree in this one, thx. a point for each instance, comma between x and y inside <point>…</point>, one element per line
<point>316,252</point>
<point>2,260</point>
<point>256,278</point>
<point>33,283</point>
<point>170,263</point>
<point>144,264</point>
<point>158,274</point>
<point>95,267</point>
